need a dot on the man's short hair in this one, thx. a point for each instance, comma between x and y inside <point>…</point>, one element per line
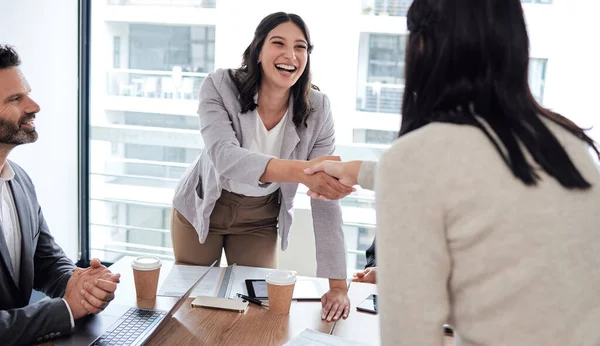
<point>8,57</point>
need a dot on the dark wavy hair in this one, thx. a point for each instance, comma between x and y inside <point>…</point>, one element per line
<point>247,78</point>
<point>8,57</point>
<point>467,63</point>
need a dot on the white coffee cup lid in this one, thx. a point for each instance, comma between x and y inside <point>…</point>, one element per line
<point>281,277</point>
<point>146,263</point>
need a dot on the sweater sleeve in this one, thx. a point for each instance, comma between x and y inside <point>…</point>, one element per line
<point>412,254</point>
<point>366,175</point>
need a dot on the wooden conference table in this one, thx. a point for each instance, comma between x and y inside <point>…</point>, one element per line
<point>257,326</point>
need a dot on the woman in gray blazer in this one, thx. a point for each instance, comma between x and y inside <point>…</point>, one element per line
<point>262,125</point>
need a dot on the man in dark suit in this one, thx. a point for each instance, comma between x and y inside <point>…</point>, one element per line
<point>29,257</point>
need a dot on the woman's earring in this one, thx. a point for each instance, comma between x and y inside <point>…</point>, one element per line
<point>258,62</point>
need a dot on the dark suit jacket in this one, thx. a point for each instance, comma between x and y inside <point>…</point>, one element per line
<point>371,259</point>
<point>44,267</point>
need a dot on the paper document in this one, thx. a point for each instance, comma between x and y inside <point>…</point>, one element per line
<point>311,338</point>
<point>182,277</point>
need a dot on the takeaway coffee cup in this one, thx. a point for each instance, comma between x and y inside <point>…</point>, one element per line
<point>146,270</point>
<point>280,288</point>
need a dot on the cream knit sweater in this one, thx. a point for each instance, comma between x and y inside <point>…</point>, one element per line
<point>462,241</point>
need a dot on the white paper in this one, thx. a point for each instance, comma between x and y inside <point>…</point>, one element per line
<point>182,277</point>
<point>311,338</point>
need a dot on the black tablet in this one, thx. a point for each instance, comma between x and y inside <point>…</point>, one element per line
<point>257,288</point>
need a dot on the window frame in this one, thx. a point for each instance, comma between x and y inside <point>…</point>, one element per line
<point>84,132</point>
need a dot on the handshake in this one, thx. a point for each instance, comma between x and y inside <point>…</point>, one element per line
<point>330,179</point>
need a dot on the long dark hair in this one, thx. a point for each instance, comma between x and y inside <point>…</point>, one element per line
<point>248,77</point>
<point>467,61</point>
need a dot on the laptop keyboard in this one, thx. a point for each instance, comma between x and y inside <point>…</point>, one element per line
<point>129,327</point>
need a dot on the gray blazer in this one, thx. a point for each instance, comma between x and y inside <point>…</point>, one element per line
<point>227,133</point>
<point>44,267</point>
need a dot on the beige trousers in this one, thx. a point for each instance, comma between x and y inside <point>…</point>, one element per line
<point>246,227</point>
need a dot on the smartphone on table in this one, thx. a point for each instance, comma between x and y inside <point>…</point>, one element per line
<point>257,288</point>
<point>369,304</point>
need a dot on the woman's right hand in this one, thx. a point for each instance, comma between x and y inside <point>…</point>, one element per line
<point>345,172</point>
<point>327,187</point>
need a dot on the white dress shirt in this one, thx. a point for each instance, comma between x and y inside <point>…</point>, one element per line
<point>267,142</point>
<point>11,226</point>
<point>10,220</point>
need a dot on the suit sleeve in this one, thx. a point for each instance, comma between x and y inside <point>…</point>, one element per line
<point>34,323</point>
<point>327,215</point>
<point>53,268</point>
<point>371,258</point>
<point>221,144</point>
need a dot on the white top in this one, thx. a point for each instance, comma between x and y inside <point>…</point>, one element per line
<point>10,220</point>
<point>265,142</point>
<point>462,241</point>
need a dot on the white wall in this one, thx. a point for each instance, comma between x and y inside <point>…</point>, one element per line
<point>45,34</point>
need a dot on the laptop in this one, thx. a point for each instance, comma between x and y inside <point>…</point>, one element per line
<point>122,324</point>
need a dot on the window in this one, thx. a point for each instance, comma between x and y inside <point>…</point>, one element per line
<point>537,77</point>
<point>536,1</point>
<point>168,3</point>
<point>374,136</point>
<point>117,52</point>
<point>386,7</point>
<point>361,237</point>
<point>148,60</point>
<point>380,73</point>
<point>143,122</point>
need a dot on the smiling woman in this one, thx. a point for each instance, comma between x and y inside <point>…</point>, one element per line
<point>262,124</point>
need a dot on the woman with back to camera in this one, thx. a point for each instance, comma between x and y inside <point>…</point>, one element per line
<point>260,124</point>
<point>488,204</point>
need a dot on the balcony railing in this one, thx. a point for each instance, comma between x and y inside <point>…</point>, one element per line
<point>397,8</point>
<point>379,97</point>
<point>536,1</point>
<point>171,3</point>
<point>155,84</point>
